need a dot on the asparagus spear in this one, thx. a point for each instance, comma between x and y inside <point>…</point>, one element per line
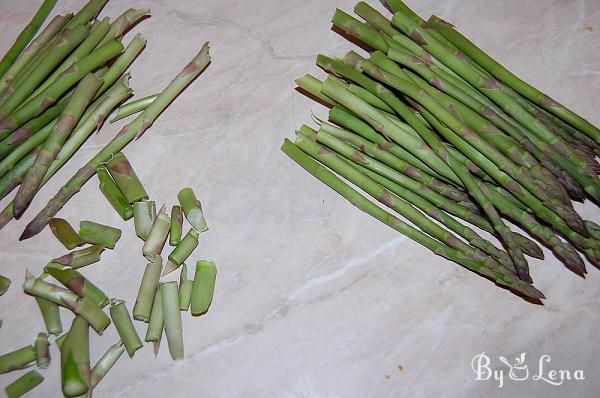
<point>42,351</point>
<point>124,325</point>
<point>77,283</point>
<point>15,177</point>
<point>203,287</point>
<point>120,65</point>
<point>18,359</point>
<point>81,258</point>
<point>124,176</point>
<point>26,35</point>
<point>172,319</point>
<point>123,22</point>
<point>51,315</point>
<point>192,208</point>
<point>312,86</point>
<point>64,232</point>
<point>88,12</point>
<point>113,194</point>
<point>99,234</point>
<point>144,214</point>
<point>80,100</point>
<point>106,362</point>
<point>176,225</point>
<point>145,297</point>
<point>157,237</point>
<point>24,384</point>
<point>185,289</point>
<point>134,129</point>
<point>133,107</point>
<point>4,284</point>
<point>75,359</point>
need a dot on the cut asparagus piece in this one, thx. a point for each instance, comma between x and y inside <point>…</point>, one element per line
<point>185,289</point>
<point>64,232</point>
<point>19,359</point>
<point>172,319</point>
<point>113,194</point>
<point>106,362</point>
<point>24,384</point>
<point>77,283</point>
<point>81,258</point>
<point>99,234</point>
<point>42,351</point>
<point>134,129</point>
<point>192,208</point>
<point>51,315</point>
<point>124,325</point>
<point>156,324</point>
<point>185,248</point>
<point>124,176</point>
<point>75,359</point>
<point>144,214</point>
<point>4,284</point>
<point>176,225</point>
<point>158,235</point>
<point>204,286</point>
<point>133,107</point>
<point>145,297</point>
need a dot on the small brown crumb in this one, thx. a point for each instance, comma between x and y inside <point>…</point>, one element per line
<point>589,29</point>
<point>400,368</point>
<point>387,376</point>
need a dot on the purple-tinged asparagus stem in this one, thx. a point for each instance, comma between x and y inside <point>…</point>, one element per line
<point>124,176</point>
<point>99,234</point>
<point>75,359</point>
<point>81,258</point>
<point>172,319</point>
<point>65,298</point>
<point>185,289</point>
<point>106,362</point>
<point>77,283</point>
<point>185,248</point>
<point>133,130</point>
<point>113,194</point>
<point>145,297</point>
<point>51,315</point>
<point>124,326</point>
<point>18,359</point>
<point>24,384</point>
<point>176,225</point>
<point>65,234</point>
<point>144,214</point>
<point>192,208</point>
<point>158,235</point>
<point>204,286</point>
<point>42,351</point>
<point>67,122</point>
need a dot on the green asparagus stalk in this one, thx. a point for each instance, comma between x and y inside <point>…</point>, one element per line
<point>26,35</point>
<point>113,194</point>
<point>395,6</point>
<point>360,30</point>
<point>106,362</point>
<point>19,90</point>
<point>99,234</point>
<point>4,284</point>
<point>81,258</point>
<point>134,129</point>
<point>133,107</point>
<point>185,248</point>
<point>120,65</point>
<point>80,100</point>
<point>204,286</point>
<point>124,325</point>
<point>15,177</point>
<point>144,214</point>
<point>593,228</point>
<point>176,225</point>
<point>156,324</point>
<point>65,234</point>
<point>157,237</point>
<point>51,315</point>
<point>172,319</point>
<point>145,297</point>
<point>75,359</point>
<point>365,205</point>
<point>87,13</point>
<point>192,208</point>
<point>61,339</point>
<point>65,81</point>
<point>65,298</point>
<point>53,27</point>
<point>124,176</point>
<point>42,351</point>
<point>185,289</point>
<point>124,22</point>
<point>77,283</point>
<point>504,75</point>
<point>311,85</point>
<point>24,384</point>
<point>18,359</point>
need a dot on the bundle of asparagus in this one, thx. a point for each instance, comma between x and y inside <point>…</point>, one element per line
<point>439,132</point>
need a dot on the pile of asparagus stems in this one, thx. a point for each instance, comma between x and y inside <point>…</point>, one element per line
<point>433,128</point>
<point>159,302</point>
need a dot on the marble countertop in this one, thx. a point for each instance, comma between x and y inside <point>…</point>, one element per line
<point>313,297</point>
